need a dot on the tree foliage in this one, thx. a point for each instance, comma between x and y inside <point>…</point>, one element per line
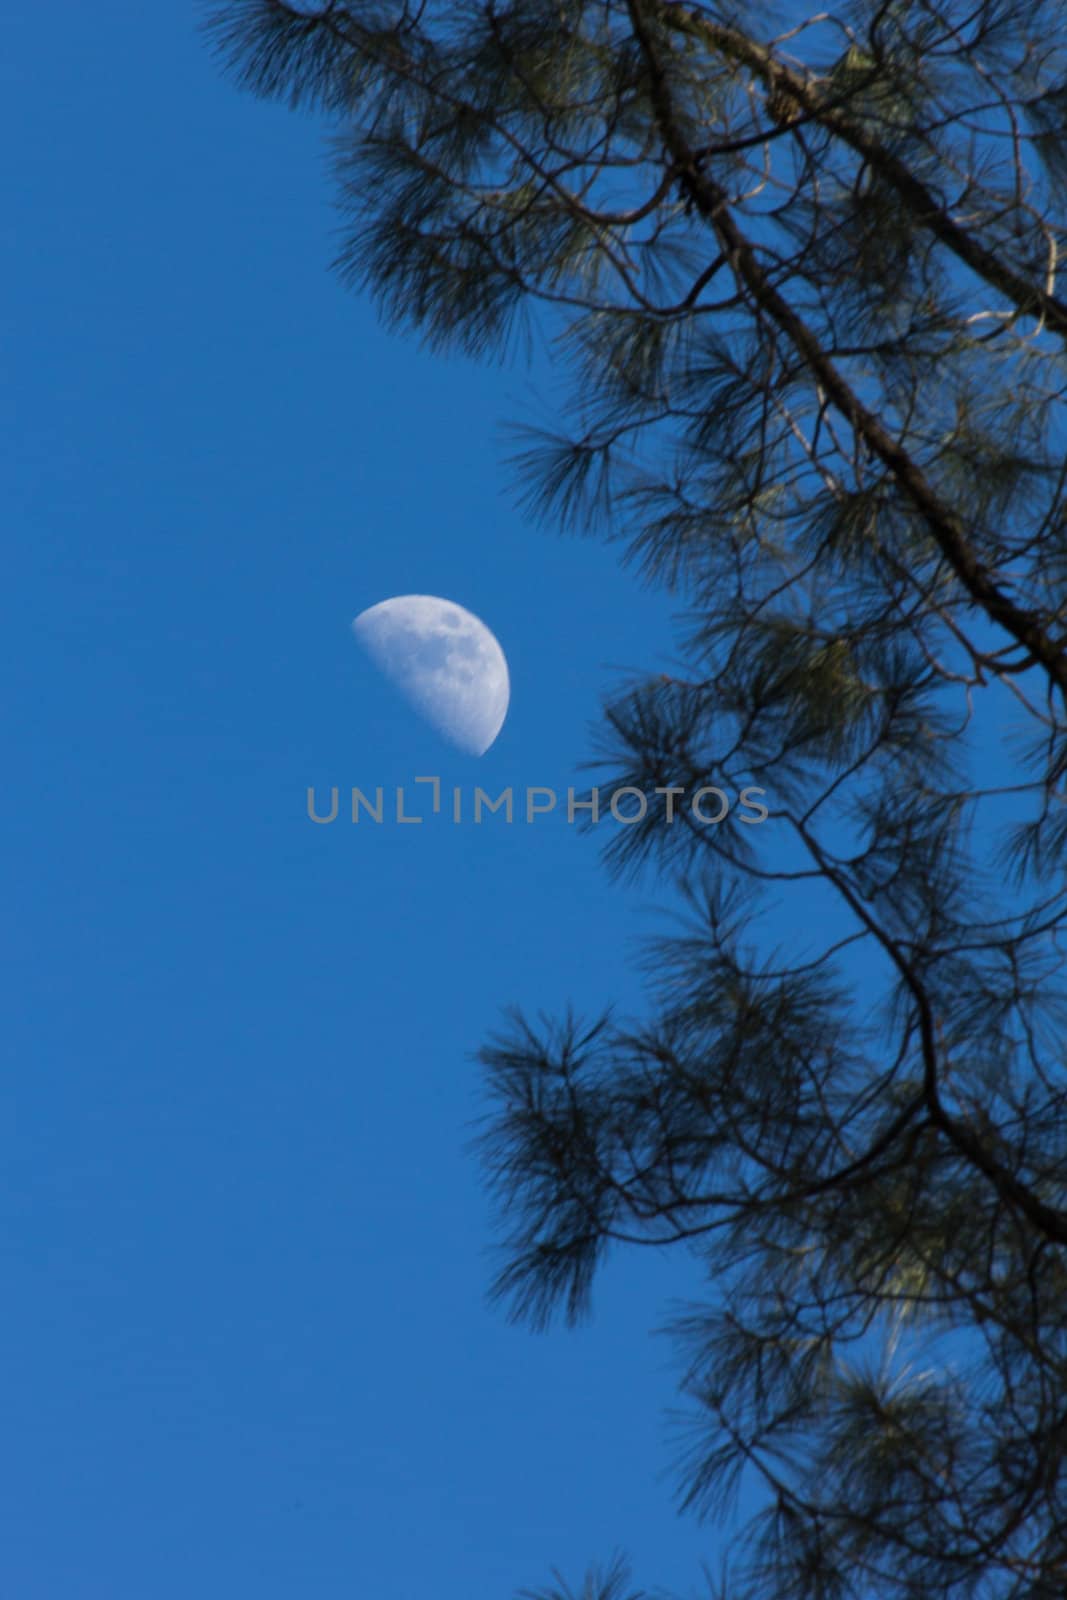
<point>803,276</point>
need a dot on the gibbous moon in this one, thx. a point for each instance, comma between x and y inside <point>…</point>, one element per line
<point>445,663</point>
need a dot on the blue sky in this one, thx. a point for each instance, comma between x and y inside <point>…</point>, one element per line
<point>246,1344</point>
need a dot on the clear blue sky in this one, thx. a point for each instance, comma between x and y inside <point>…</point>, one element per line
<point>245,1346</point>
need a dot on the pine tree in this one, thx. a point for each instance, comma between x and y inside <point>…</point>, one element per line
<point>803,276</point>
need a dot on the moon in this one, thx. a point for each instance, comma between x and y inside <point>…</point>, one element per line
<point>444,661</point>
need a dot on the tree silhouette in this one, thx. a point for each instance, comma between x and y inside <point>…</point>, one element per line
<point>802,273</point>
